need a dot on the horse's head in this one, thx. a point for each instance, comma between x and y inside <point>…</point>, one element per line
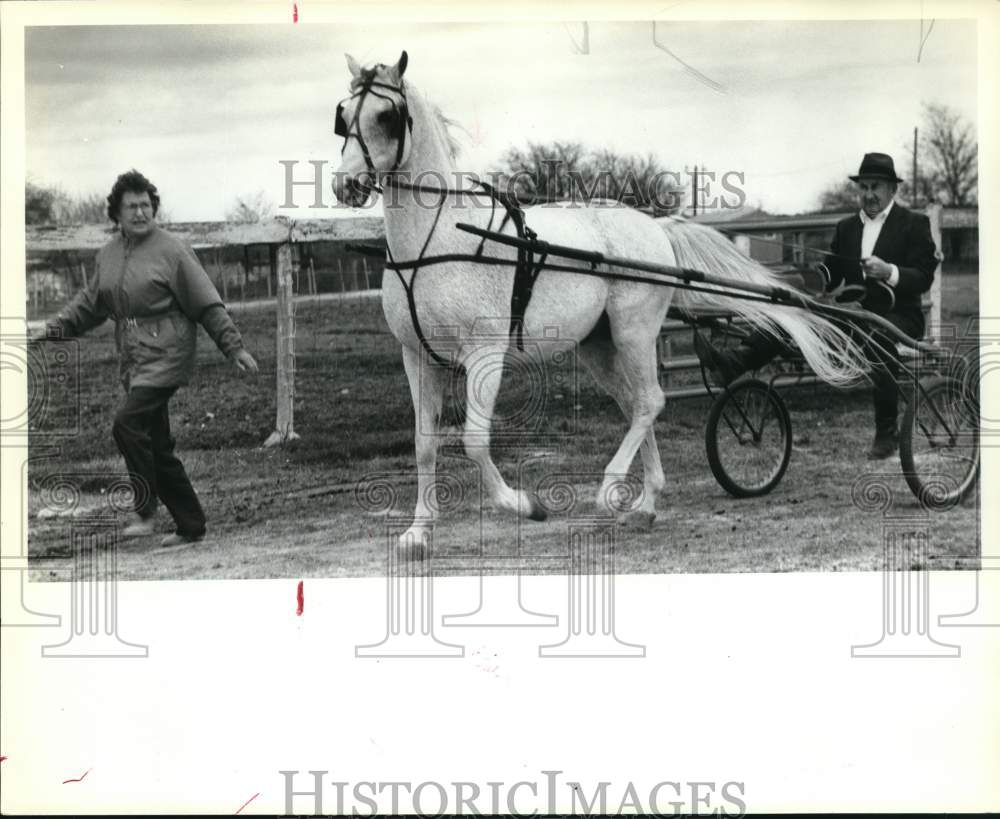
<point>375,124</point>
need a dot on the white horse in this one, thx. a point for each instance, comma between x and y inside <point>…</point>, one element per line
<point>391,131</point>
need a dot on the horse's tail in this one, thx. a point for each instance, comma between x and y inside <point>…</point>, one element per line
<point>828,350</point>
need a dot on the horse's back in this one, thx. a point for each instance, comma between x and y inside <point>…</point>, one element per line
<point>580,299</point>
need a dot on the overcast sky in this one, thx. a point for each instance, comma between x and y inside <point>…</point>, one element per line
<point>207,112</point>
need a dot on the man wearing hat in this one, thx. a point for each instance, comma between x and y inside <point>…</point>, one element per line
<point>888,251</point>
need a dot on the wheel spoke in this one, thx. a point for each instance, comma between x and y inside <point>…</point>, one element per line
<point>748,439</point>
<point>940,450</point>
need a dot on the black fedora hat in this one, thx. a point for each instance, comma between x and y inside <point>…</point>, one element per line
<point>877,166</point>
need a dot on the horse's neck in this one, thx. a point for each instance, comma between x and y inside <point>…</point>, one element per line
<point>411,216</point>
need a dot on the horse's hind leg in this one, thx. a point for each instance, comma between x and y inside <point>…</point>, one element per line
<point>600,357</point>
<point>484,369</point>
<point>635,365</point>
<point>427,387</point>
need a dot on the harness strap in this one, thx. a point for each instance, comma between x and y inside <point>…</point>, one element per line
<point>526,270</point>
<point>412,303</point>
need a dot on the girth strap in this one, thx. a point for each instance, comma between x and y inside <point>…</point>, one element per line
<point>525,272</point>
<point>525,275</point>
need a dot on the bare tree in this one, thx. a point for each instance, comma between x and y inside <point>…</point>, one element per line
<point>567,170</point>
<point>91,209</point>
<point>250,208</point>
<point>542,171</point>
<point>916,196</point>
<point>39,204</point>
<point>839,196</point>
<point>952,151</point>
<point>50,204</point>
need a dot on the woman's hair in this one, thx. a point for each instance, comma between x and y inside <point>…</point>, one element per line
<point>131,182</point>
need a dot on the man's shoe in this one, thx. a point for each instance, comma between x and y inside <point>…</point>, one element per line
<point>177,540</point>
<point>884,446</point>
<point>140,527</point>
<point>723,364</point>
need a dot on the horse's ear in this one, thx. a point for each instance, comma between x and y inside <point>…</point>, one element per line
<point>353,65</point>
<point>400,67</point>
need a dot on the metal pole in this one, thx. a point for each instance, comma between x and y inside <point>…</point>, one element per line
<point>914,181</point>
<point>781,295</point>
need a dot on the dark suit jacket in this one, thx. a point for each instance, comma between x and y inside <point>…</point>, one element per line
<point>906,242</point>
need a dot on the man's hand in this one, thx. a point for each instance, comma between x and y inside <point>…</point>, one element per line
<point>244,361</point>
<point>875,268</point>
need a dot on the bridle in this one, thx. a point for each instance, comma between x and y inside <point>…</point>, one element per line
<point>526,267</point>
<point>397,129</point>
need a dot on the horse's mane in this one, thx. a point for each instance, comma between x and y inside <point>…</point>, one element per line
<point>446,124</point>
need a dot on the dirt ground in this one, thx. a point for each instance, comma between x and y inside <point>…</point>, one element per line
<point>319,528</point>
<point>295,511</point>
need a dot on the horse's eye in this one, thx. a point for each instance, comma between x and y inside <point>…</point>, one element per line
<point>388,120</point>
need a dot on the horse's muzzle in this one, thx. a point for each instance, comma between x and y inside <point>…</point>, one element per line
<point>354,191</point>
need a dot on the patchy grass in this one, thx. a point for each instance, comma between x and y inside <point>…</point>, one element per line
<point>292,511</point>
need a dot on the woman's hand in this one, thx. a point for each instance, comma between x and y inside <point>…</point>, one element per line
<point>244,361</point>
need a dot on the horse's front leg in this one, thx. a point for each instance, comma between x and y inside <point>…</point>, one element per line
<point>484,368</point>
<point>427,387</point>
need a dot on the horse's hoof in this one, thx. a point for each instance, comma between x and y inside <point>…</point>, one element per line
<point>537,510</point>
<point>638,521</point>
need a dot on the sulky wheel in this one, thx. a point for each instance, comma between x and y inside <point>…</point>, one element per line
<point>749,439</point>
<point>939,441</point>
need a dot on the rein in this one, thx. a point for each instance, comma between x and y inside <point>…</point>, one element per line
<point>791,246</point>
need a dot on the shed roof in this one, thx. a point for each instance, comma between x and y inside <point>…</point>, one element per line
<point>200,235</point>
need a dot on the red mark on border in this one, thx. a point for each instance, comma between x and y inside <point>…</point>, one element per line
<point>295,12</point>
<point>2,758</point>
<point>300,598</point>
<point>247,802</point>
<point>67,781</point>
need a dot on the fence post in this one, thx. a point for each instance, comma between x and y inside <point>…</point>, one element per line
<point>221,271</point>
<point>934,330</point>
<point>245,265</point>
<point>285,363</point>
<point>270,268</point>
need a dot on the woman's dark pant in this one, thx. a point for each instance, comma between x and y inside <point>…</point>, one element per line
<point>142,431</point>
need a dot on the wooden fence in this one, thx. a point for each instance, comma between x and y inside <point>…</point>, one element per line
<point>290,257</point>
<point>284,240</point>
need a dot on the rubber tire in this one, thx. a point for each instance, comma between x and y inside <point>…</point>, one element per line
<point>926,492</point>
<point>715,417</point>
